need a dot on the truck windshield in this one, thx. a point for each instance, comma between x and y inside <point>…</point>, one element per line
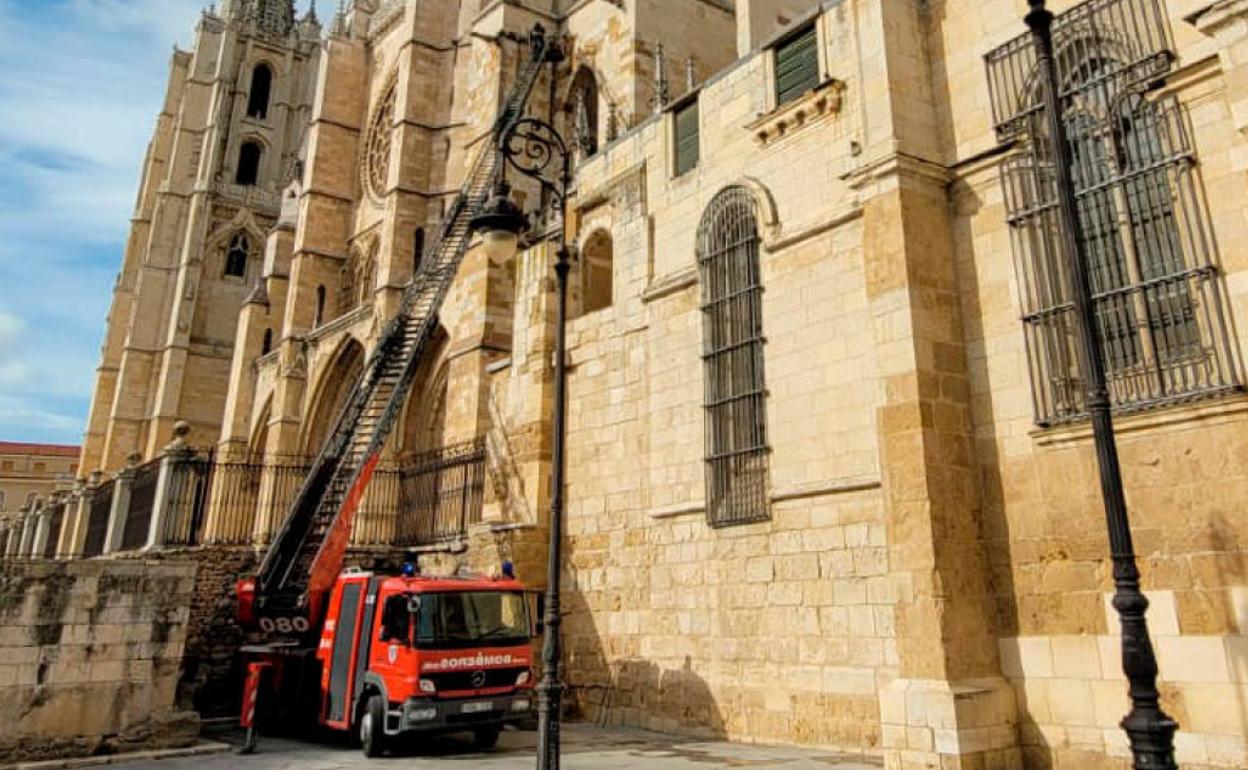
<point>472,617</point>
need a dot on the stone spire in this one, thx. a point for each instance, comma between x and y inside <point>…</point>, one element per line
<point>341,26</point>
<point>272,17</point>
<point>310,25</point>
<point>662,91</point>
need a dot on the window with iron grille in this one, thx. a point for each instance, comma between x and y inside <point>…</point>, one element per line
<point>732,354</point>
<point>1161,315</point>
<point>687,139</point>
<point>797,66</point>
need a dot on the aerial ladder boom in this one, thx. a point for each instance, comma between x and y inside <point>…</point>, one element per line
<point>300,566</point>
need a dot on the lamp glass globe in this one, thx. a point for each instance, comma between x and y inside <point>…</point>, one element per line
<point>500,245</point>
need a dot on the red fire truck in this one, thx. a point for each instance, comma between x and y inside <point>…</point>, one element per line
<point>406,654</point>
<point>375,655</point>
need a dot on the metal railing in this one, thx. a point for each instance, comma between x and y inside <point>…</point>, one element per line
<point>56,522</point>
<point>254,490</point>
<point>98,509</point>
<point>427,499</point>
<point>139,512</point>
<point>186,501</point>
<point>440,494</point>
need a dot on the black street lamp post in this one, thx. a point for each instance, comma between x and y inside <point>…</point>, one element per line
<point>1149,729</point>
<point>535,149</point>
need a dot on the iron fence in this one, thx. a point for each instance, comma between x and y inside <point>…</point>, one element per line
<point>249,496</point>
<point>428,499</point>
<point>377,516</point>
<point>139,511</point>
<point>1161,313</point>
<point>186,501</point>
<point>440,494</point>
<point>56,522</point>
<point>98,510</point>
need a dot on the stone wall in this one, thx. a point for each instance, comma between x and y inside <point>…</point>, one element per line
<point>89,657</point>
<point>211,675</point>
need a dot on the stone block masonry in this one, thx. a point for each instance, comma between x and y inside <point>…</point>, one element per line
<point>89,657</point>
<point>210,678</point>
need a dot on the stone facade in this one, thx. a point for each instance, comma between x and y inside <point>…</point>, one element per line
<point>929,581</point>
<point>170,335</point>
<point>89,658</point>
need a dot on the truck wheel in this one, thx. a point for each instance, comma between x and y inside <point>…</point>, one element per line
<point>373,727</point>
<point>486,737</point>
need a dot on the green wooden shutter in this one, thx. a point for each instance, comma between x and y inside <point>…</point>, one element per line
<point>687,149</point>
<point>797,67</point>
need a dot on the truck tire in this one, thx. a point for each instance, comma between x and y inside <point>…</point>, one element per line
<point>486,737</point>
<point>373,727</point>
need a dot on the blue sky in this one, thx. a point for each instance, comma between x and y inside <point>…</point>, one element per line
<point>81,82</point>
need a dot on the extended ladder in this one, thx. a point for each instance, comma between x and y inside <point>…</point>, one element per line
<point>306,555</point>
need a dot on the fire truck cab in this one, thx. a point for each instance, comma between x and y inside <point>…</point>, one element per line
<point>410,654</point>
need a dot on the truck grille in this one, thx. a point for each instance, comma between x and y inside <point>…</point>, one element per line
<point>464,680</point>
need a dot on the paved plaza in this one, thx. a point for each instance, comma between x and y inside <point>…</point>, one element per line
<point>584,748</point>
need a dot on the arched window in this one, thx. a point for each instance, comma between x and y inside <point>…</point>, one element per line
<point>261,87</point>
<point>418,250</point>
<point>236,255</point>
<point>583,107</point>
<point>248,163</point>
<point>319,318</point>
<point>732,352</point>
<point>596,272</point>
<point>1,499</point>
<point>267,346</point>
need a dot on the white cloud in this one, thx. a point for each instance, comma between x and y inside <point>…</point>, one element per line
<point>10,329</point>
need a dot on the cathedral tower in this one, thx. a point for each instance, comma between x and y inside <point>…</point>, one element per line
<point>227,141</point>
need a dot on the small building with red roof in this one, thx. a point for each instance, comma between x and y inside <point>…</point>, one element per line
<point>34,471</point>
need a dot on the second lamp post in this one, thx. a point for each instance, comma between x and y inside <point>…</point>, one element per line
<point>536,150</point>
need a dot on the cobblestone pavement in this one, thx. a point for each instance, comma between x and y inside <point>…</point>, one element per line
<point>585,748</point>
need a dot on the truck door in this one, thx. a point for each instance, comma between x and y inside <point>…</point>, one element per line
<point>365,646</point>
<point>393,658</point>
<point>346,639</point>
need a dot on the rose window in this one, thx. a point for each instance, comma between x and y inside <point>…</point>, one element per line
<point>377,152</point>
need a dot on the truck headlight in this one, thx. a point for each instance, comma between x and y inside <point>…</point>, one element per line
<point>520,705</point>
<point>422,715</point>
<point>427,685</point>
<point>525,677</point>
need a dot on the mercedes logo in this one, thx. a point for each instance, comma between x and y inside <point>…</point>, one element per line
<point>478,679</point>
